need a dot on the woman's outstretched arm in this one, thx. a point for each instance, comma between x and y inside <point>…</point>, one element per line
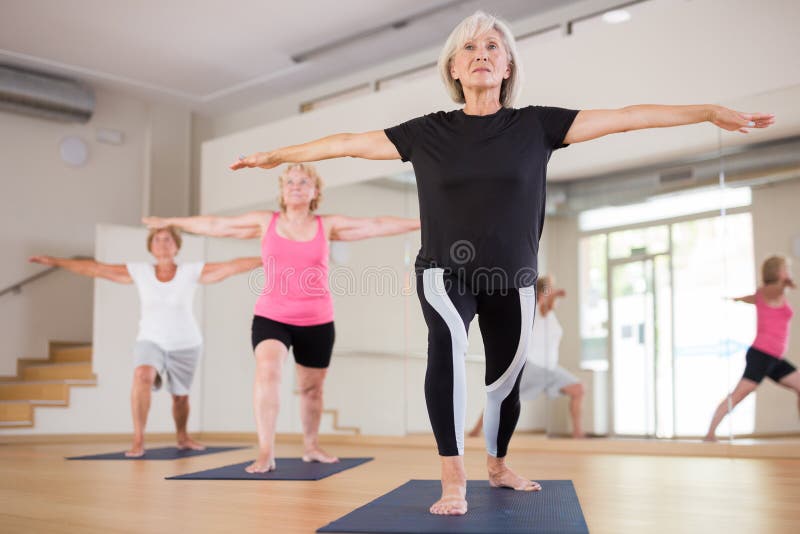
<point>749,299</point>
<point>593,123</point>
<point>368,145</point>
<point>344,228</point>
<point>246,226</point>
<point>218,271</point>
<point>87,267</point>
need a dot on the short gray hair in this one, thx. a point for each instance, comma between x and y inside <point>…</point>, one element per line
<point>477,24</point>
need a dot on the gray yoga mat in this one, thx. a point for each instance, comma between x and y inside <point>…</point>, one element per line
<point>287,469</point>
<point>162,453</point>
<point>555,509</point>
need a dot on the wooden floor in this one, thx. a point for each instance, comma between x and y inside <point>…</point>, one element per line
<point>41,492</point>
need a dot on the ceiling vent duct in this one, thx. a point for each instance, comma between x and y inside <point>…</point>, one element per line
<point>44,96</point>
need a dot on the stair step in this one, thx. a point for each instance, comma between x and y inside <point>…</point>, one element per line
<point>335,416</point>
<point>35,391</point>
<point>44,382</point>
<point>16,412</point>
<point>16,424</point>
<point>58,371</point>
<point>81,353</point>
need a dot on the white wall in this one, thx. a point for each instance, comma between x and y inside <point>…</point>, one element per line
<point>169,140</point>
<point>47,207</point>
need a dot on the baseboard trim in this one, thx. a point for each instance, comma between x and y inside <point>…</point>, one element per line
<point>785,445</point>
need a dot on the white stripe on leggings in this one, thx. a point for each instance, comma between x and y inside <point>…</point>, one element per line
<point>436,295</point>
<point>497,391</point>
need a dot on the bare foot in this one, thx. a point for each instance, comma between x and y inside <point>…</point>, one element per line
<point>136,451</point>
<point>710,439</point>
<point>578,435</point>
<point>263,464</point>
<point>453,501</point>
<point>500,476</point>
<point>475,432</point>
<point>316,454</point>
<point>190,444</point>
<point>454,488</point>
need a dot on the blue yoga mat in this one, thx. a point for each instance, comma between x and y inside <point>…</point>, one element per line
<point>555,509</point>
<point>162,453</point>
<point>287,469</point>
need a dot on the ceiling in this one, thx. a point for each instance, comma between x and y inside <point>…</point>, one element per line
<point>216,56</point>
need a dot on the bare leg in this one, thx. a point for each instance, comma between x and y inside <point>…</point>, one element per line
<point>742,390</point>
<point>144,377</point>
<point>500,476</point>
<point>792,381</point>
<point>270,355</point>
<point>454,487</point>
<point>478,428</point>
<point>575,392</point>
<point>310,381</point>
<point>180,412</point>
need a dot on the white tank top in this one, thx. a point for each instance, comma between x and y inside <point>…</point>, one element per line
<point>167,307</point>
<point>544,340</point>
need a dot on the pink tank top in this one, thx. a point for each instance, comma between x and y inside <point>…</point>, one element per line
<point>295,289</point>
<point>772,331</point>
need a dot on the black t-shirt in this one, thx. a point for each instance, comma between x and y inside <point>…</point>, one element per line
<point>481,183</point>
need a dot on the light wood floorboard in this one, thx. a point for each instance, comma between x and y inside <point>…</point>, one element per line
<point>42,492</point>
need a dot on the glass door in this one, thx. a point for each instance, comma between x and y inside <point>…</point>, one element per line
<point>640,313</point>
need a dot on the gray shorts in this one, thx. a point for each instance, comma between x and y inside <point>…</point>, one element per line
<point>176,367</point>
<point>537,380</point>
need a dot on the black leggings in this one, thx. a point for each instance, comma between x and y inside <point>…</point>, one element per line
<point>505,319</point>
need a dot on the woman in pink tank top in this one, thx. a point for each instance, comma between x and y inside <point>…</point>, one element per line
<point>765,357</point>
<point>294,308</point>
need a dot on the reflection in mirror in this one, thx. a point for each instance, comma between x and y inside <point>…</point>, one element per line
<point>370,282</point>
<point>648,328</point>
<point>755,340</point>
<point>659,342</point>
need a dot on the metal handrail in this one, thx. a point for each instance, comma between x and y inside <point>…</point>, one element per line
<point>16,289</point>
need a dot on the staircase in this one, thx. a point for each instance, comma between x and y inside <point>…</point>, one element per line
<point>42,382</point>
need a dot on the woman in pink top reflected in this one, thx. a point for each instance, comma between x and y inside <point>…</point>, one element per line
<point>295,308</point>
<point>765,357</point>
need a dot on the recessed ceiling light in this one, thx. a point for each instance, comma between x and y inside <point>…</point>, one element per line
<point>616,16</point>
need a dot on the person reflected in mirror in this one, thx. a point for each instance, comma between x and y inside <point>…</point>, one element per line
<point>542,373</point>
<point>765,357</point>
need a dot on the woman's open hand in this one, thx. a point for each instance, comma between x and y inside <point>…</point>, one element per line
<point>731,120</point>
<point>264,160</point>
<point>155,223</point>
<point>44,260</point>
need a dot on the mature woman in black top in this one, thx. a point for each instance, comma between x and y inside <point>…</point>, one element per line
<point>481,178</point>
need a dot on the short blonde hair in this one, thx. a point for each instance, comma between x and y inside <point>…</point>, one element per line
<point>311,172</point>
<point>771,267</point>
<point>173,231</point>
<point>477,24</point>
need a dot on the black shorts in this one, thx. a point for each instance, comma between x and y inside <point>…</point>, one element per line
<point>313,345</point>
<point>761,364</point>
